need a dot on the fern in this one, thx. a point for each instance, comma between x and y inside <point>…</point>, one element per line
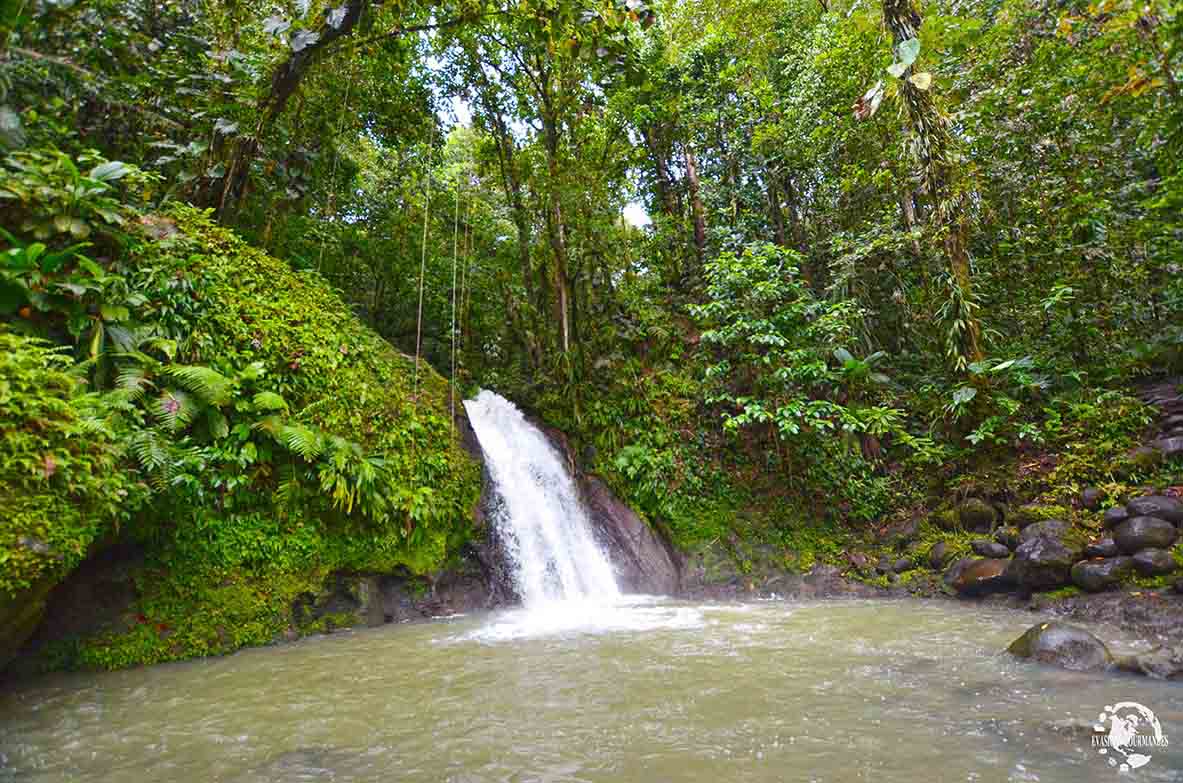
<point>174,409</point>
<point>270,401</point>
<point>133,381</point>
<point>210,386</point>
<point>308,443</point>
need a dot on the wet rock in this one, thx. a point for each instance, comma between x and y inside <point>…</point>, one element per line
<point>938,555</point>
<point>1041,563</point>
<point>1094,576</point>
<point>1106,547</point>
<point>1114,517</point>
<point>1138,533</point>
<point>979,577</point>
<point>1157,506</point>
<point>989,549</point>
<point>1007,536</point>
<point>1172,422</point>
<point>885,565</point>
<point>976,514</point>
<point>1161,663</point>
<point>1170,447</point>
<point>645,560</point>
<point>1063,645</point>
<point>903,565</point>
<point>1179,586</point>
<point>1154,562</point>
<point>1048,528</point>
<point>1090,498</point>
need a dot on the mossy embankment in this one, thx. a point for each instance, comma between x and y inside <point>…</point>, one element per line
<point>246,440</point>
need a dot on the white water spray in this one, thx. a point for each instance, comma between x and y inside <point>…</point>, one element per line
<point>542,524</point>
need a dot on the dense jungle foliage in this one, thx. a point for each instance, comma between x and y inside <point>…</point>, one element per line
<point>785,270</point>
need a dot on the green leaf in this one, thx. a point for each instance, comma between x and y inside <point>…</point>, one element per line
<point>897,69</point>
<point>921,81</point>
<point>843,355</point>
<point>114,312</point>
<point>964,394</point>
<point>270,401</point>
<point>110,171</point>
<point>908,51</point>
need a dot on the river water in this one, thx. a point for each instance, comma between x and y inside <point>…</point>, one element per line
<point>646,690</point>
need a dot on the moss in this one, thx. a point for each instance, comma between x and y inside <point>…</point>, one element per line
<point>226,555</point>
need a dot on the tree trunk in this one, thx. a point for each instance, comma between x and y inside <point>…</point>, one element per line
<point>699,214</point>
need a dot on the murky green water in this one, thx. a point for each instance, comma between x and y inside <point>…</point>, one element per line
<point>834,691</point>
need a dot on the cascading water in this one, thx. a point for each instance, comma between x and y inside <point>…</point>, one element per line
<point>542,524</point>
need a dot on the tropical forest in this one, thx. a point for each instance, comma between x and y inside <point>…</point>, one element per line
<point>591,390</point>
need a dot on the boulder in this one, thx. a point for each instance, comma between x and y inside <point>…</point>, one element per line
<point>976,514</point>
<point>885,565</point>
<point>1090,498</point>
<point>1063,645</point>
<point>1094,576</point>
<point>979,577</point>
<point>1161,663</point>
<point>1007,536</point>
<point>1170,447</point>
<point>1048,528</point>
<point>1105,547</point>
<point>1154,562</point>
<point>1114,517</point>
<point>903,565</point>
<point>989,549</point>
<point>1157,506</point>
<point>938,555</point>
<point>1138,533</point>
<point>1041,563</point>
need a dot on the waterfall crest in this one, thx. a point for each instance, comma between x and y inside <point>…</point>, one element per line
<point>536,509</point>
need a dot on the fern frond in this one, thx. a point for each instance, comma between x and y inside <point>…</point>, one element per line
<point>133,381</point>
<point>309,444</point>
<point>175,409</point>
<point>270,401</point>
<point>210,386</point>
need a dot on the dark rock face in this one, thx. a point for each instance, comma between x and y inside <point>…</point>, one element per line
<point>1041,563</point>
<point>1138,533</point>
<point>1154,562</point>
<point>976,514</point>
<point>1063,645</point>
<point>1115,516</point>
<point>1048,528</point>
<point>645,562</point>
<point>1095,576</point>
<point>1008,537</point>
<point>1106,547</point>
<point>1157,506</point>
<point>989,549</point>
<point>979,577</point>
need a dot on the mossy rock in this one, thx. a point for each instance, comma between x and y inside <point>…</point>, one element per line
<point>1031,513</point>
<point>977,515</point>
<point>223,573</point>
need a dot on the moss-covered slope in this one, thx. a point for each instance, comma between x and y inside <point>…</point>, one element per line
<point>299,449</point>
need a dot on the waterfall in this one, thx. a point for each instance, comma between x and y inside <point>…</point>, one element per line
<point>542,525</point>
